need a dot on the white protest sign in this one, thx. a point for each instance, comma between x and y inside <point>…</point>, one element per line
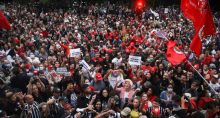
<point>75,52</point>
<point>134,60</point>
<point>166,10</point>
<point>85,65</point>
<point>61,70</point>
<point>67,74</point>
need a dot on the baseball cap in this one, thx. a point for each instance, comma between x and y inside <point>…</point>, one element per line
<point>98,76</point>
<point>156,111</point>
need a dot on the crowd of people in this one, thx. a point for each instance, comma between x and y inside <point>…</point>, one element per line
<point>40,79</point>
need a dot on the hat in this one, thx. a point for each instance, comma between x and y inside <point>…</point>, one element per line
<point>126,111</point>
<point>98,76</point>
<point>156,111</point>
<point>92,88</point>
<point>196,66</point>
<point>27,66</point>
<point>35,72</point>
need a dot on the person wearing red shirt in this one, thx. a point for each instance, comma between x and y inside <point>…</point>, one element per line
<point>205,98</point>
<point>150,95</point>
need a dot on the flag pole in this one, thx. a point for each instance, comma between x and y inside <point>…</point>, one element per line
<point>202,77</point>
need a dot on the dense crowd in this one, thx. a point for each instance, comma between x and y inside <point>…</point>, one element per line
<point>39,78</point>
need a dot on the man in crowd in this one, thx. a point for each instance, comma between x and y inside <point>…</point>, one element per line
<point>74,60</point>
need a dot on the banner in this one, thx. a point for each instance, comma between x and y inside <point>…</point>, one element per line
<point>85,65</point>
<point>61,70</point>
<point>166,10</point>
<point>134,60</point>
<point>75,52</point>
<point>174,55</point>
<point>67,74</point>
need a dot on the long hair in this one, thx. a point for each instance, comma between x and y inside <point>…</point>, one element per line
<point>101,97</point>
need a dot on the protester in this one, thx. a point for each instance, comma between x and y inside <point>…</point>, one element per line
<point>105,60</point>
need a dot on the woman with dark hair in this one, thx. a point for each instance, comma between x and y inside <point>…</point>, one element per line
<point>104,97</point>
<point>145,103</point>
<point>44,109</point>
<point>98,106</point>
<point>150,94</point>
<point>12,107</point>
<point>135,111</point>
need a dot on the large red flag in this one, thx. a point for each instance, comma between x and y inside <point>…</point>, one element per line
<point>199,12</point>
<point>196,44</point>
<point>190,10</point>
<point>4,24</point>
<point>174,55</point>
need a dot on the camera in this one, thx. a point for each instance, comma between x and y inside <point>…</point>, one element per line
<point>80,67</point>
<point>186,98</point>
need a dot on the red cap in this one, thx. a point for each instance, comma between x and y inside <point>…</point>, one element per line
<point>132,44</point>
<point>196,66</point>
<point>98,76</point>
<point>92,88</point>
<point>156,111</point>
<point>35,72</point>
<point>27,66</point>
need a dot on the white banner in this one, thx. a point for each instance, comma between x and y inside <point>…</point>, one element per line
<point>75,52</point>
<point>134,60</point>
<point>166,10</point>
<point>67,74</point>
<point>61,70</point>
<point>85,65</point>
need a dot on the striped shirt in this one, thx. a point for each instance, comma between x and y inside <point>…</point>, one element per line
<point>73,99</point>
<point>34,113</point>
<point>55,109</point>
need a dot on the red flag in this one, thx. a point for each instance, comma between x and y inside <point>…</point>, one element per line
<point>190,10</point>
<point>207,22</point>
<point>4,24</point>
<point>174,55</point>
<point>199,12</point>
<point>196,44</point>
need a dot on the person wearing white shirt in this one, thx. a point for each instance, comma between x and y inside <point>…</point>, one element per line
<point>214,84</point>
<point>117,60</point>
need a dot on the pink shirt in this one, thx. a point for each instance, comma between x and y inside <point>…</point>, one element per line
<point>122,93</point>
